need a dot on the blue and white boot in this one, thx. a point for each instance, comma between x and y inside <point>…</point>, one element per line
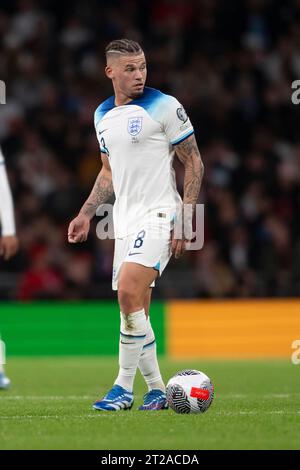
<point>4,381</point>
<point>115,400</point>
<point>154,400</point>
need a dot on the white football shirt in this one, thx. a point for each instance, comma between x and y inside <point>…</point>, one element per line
<point>7,220</point>
<point>138,139</point>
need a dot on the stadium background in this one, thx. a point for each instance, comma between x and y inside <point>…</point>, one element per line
<point>231,64</point>
<point>234,78</point>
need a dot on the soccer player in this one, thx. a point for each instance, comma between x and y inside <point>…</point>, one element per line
<point>139,129</point>
<point>8,239</point>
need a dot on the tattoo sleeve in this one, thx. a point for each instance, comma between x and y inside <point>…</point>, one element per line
<point>101,192</point>
<point>189,155</point>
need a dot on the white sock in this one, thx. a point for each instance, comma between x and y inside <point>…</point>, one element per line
<point>2,356</point>
<point>132,338</point>
<point>148,363</point>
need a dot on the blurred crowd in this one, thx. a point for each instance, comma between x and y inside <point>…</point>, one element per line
<point>230,63</point>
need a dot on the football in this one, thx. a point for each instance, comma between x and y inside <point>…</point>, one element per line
<point>190,391</point>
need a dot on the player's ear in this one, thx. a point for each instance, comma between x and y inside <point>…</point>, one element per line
<point>109,72</point>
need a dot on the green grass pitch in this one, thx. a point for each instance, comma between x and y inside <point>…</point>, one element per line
<point>256,406</point>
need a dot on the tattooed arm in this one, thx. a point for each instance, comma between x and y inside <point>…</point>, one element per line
<point>189,155</point>
<point>101,192</point>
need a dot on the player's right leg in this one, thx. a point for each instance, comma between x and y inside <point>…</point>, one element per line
<point>133,284</point>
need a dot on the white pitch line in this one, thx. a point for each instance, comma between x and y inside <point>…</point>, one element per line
<point>278,395</point>
<point>253,412</point>
<point>45,397</point>
<point>103,414</point>
<point>89,397</point>
<point>265,396</point>
<point>67,418</point>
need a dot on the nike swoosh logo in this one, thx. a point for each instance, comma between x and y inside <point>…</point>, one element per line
<point>136,253</point>
<point>101,132</point>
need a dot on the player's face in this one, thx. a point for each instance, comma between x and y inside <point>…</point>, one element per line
<point>128,74</point>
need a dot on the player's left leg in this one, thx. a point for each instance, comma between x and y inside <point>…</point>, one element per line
<point>155,399</point>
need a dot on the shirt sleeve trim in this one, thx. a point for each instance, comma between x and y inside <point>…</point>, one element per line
<point>181,139</point>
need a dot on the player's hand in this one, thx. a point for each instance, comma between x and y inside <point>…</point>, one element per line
<point>182,232</point>
<point>79,229</point>
<point>9,246</point>
<point>178,246</point>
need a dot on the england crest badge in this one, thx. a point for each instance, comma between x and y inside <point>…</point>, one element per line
<point>134,126</point>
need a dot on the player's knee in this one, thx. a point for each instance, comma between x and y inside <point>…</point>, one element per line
<point>129,299</point>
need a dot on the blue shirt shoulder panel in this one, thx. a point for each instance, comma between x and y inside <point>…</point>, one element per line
<point>103,108</point>
<point>152,100</point>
